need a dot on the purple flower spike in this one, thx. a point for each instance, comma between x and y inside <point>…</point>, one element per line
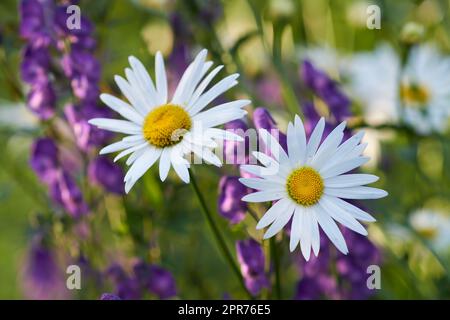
<point>106,173</point>
<point>44,159</point>
<point>33,23</point>
<point>65,192</point>
<point>230,205</point>
<point>41,100</point>
<point>251,258</point>
<point>42,277</point>
<point>264,120</point>
<point>327,89</point>
<point>161,283</point>
<point>109,296</point>
<point>237,152</point>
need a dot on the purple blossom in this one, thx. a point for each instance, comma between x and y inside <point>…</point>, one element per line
<point>327,89</point>
<point>229,203</point>
<point>109,296</point>
<point>161,283</point>
<point>106,173</point>
<point>251,258</point>
<point>66,193</point>
<point>78,63</point>
<point>317,276</point>
<point>44,159</point>
<point>269,90</point>
<point>33,26</point>
<point>43,278</point>
<point>35,64</point>
<point>87,136</point>
<point>262,119</point>
<point>41,100</point>
<point>237,152</point>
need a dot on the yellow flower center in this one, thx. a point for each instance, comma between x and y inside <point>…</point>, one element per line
<point>305,186</point>
<point>414,95</point>
<point>165,125</point>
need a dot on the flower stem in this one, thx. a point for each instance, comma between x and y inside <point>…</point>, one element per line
<point>217,235</point>
<point>276,261</point>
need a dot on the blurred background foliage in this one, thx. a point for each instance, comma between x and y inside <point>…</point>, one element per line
<point>256,39</point>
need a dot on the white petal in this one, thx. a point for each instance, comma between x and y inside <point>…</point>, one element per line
<point>233,107</point>
<point>279,223</point>
<point>131,94</point>
<point>261,184</point>
<point>341,215</point>
<point>145,82</point>
<point>353,210</point>
<point>350,180</point>
<point>305,241</point>
<point>140,166</point>
<point>329,146</point>
<point>274,212</point>
<point>133,157</point>
<point>161,79</point>
<point>130,150</point>
<point>300,136</point>
<point>315,234</point>
<point>296,228</point>
<point>331,229</point>
<point>356,193</point>
<point>263,196</point>
<point>315,138</point>
<point>201,88</point>
<point>343,167</point>
<point>272,144</point>
<point>164,164</point>
<point>219,88</point>
<point>122,126</point>
<point>117,146</point>
<point>122,108</point>
<point>180,166</point>
<point>344,149</point>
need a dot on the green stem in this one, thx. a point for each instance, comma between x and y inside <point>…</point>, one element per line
<point>217,235</point>
<point>276,262</point>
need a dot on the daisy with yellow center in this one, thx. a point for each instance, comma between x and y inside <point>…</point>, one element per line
<point>308,184</point>
<point>159,128</point>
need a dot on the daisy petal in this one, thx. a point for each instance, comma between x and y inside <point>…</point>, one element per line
<point>305,241</point>
<point>275,211</point>
<point>343,167</point>
<point>296,228</point>
<point>122,126</point>
<point>315,138</point>
<point>356,193</point>
<point>140,166</point>
<point>353,210</point>
<point>261,184</point>
<point>331,229</point>
<point>122,108</point>
<point>341,216</point>
<point>350,180</point>
<point>161,79</point>
<point>264,196</point>
<point>279,223</point>
<point>164,164</point>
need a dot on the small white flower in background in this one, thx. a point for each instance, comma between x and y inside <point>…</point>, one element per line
<point>432,225</point>
<point>159,128</point>
<point>418,94</point>
<point>308,186</point>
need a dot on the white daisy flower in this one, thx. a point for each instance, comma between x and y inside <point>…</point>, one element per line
<point>309,183</point>
<point>159,128</point>
<point>418,94</point>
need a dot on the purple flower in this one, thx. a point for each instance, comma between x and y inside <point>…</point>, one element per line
<point>129,289</point>
<point>35,64</point>
<point>44,159</point>
<point>79,38</point>
<point>318,280</point>
<point>269,90</point>
<point>237,152</point>
<point>263,120</point>
<point>41,100</point>
<point>230,205</point>
<point>66,193</point>
<point>78,63</point>
<point>42,277</point>
<point>33,22</point>
<point>106,173</point>
<point>161,283</point>
<point>251,258</point>
<point>109,296</point>
<point>87,136</point>
<point>324,87</point>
